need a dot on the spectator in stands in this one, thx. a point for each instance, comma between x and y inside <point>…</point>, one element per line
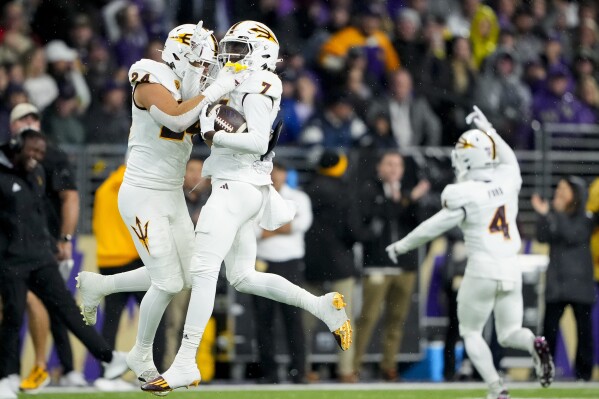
<point>116,253</point>
<point>503,97</point>
<point>110,121</point>
<point>40,86</point>
<point>588,92</point>
<point>336,126</point>
<point>60,121</point>
<point>102,69</point>
<point>15,95</point>
<point>449,85</point>
<point>557,105</point>
<point>567,228</point>
<point>552,54</point>
<point>528,42</point>
<point>282,252</point>
<point>408,43</point>
<point>62,210</point>
<point>535,76</point>
<point>366,34</point>
<point>585,64</point>
<point>64,67</point>
<point>15,38</point>
<point>413,122</point>
<point>588,36</point>
<point>81,37</point>
<point>358,84</point>
<point>387,207</point>
<point>484,32</point>
<point>133,39</point>
<point>329,241</point>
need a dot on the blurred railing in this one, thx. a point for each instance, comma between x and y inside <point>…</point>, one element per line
<point>541,168</point>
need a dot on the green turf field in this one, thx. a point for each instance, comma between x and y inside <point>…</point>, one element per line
<point>377,392</point>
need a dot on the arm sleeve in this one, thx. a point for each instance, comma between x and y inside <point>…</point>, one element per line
<point>505,154</point>
<point>178,123</point>
<point>303,218</point>
<point>431,228</point>
<point>257,108</point>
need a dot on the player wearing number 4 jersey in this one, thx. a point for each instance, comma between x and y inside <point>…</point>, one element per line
<point>484,203</point>
<point>242,193</point>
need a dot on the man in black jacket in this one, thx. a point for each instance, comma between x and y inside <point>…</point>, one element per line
<point>28,261</point>
<point>388,210</point>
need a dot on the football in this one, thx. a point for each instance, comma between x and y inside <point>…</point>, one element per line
<point>228,119</point>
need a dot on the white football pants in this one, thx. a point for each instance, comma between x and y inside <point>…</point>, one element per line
<point>225,231</point>
<point>162,231</point>
<point>477,299</point>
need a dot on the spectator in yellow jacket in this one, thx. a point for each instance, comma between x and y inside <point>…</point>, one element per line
<point>593,206</point>
<point>367,35</point>
<point>484,33</point>
<point>116,253</point>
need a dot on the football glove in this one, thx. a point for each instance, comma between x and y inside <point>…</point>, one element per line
<point>206,121</point>
<point>479,119</point>
<point>226,81</point>
<point>394,250</point>
<point>264,167</point>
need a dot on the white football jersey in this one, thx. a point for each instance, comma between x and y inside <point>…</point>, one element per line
<point>157,155</point>
<point>489,226</point>
<point>229,164</point>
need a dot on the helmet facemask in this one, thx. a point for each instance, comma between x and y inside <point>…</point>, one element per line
<point>235,51</point>
<point>200,72</point>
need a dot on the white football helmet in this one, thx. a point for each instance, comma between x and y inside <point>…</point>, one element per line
<point>474,153</point>
<point>191,44</point>
<point>249,43</point>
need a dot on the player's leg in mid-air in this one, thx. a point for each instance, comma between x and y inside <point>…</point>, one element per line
<point>476,299</point>
<point>225,232</point>
<point>149,215</point>
<point>510,333</point>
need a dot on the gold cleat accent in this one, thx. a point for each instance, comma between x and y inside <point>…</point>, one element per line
<point>338,302</point>
<point>343,336</point>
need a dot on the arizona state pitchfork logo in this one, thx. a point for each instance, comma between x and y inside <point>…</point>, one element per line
<point>142,233</point>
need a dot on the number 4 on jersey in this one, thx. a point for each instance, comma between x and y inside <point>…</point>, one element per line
<point>499,223</point>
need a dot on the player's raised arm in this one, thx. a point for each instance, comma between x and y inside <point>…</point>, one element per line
<point>431,228</point>
<point>503,151</point>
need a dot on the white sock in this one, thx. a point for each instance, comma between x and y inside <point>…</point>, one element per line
<point>522,339</point>
<point>151,309</point>
<point>277,288</point>
<point>132,281</point>
<point>480,355</point>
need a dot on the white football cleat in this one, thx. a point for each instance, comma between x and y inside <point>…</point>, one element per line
<point>90,287</point>
<point>117,366</point>
<point>6,391</point>
<point>73,379</point>
<point>333,314</point>
<point>142,364</point>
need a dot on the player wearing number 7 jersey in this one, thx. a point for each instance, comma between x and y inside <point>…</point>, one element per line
<point>484,203</point>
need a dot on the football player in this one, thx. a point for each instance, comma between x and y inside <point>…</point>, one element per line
<point>484,203</point>
<point>240,191</point>
<point>166,102</point>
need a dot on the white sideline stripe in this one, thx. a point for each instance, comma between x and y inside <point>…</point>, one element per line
<point>375,386</point>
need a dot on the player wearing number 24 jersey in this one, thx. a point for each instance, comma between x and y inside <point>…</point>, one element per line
<point>484,203</point>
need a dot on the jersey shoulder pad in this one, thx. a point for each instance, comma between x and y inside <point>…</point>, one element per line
<point>455,196</point>
<point>262,82</point>
<point>150,71</point>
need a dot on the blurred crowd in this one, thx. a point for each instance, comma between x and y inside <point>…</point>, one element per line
<point>380,74</point>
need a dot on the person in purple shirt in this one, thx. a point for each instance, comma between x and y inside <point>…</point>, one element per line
<point>557,104</point>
